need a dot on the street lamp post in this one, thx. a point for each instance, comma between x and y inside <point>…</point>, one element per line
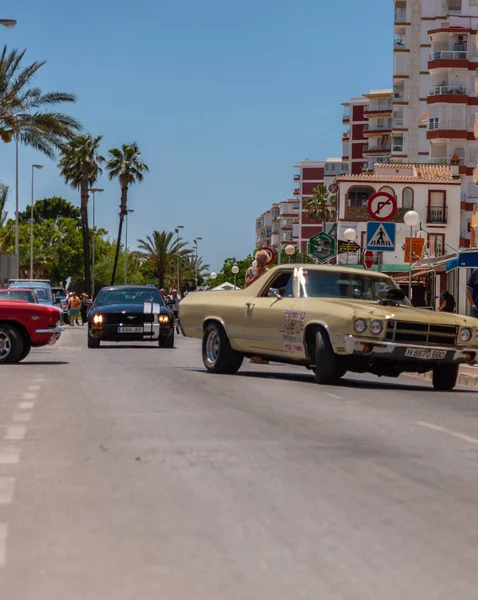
<point>350,235</point>
<point>129,211</point>
<point>93,244</point>
<point>235,270</point>
<point>289,250</point>
<point>31,218</point>
<point>196,241</point>
<point>411,218</point>
<point>177,251</point>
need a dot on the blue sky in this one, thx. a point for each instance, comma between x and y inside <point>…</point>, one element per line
<point>222,97</point>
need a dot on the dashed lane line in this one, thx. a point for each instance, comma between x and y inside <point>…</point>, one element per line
<point>15,432</point>
<point>9,456</point>
<point>460,436</point>
<point>29,395</point>
<point>26,405</point>
<point>22,417</point>
<point>7,489</point>
<point>3,543</point>
<point>34,388</point>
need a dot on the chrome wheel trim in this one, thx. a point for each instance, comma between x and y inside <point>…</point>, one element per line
<point>5,345</point>
<point>212,347</point>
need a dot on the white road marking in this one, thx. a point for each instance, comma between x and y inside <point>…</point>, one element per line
<point>333,396</point>
<point>9,456</point>
<point>39,379</point>
<point>29,395</point>
<point>3,543</point>
<point>15,432</point>
<point>460,436</point>
<point>7,488</point>
<point>21,417</point>
<point>34,388</point>
<point>26,405</point>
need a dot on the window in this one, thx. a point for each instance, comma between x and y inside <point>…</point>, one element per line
<point>358,196</point>
<point>283,283</point>
<point>436,244</point>
<point>407,198</point>
<point>388,190</point>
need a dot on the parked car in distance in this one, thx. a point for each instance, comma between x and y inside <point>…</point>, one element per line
<point>21,294</point>
<point>330,319</point>
<point>42,288</point>
<point>24,326</point>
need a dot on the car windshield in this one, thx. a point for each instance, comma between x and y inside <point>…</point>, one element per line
<point>128,296</point>
<point>339,284</point>
<point>42,292</point>
<point>18,295</point>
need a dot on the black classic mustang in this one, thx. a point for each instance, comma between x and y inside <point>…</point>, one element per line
<point>130,314</point>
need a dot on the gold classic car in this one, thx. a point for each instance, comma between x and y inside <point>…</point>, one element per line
<point>330,319</point>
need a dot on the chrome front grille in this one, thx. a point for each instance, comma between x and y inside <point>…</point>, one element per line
<point>404,332</point>
<point>128,319</point>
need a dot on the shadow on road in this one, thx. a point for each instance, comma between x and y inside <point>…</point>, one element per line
<point>34,363</point>
<point>121,346</point>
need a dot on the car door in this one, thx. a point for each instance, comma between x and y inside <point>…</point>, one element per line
<point>266,315</point>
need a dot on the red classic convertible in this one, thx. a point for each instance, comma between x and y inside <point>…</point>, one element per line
<point>24,326</point>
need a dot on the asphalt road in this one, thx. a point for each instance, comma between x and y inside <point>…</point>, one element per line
<point>132,474</point>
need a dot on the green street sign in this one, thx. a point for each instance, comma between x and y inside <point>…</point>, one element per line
<point>322,246</point>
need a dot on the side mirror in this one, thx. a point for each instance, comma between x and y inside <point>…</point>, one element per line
<point>274,293</point>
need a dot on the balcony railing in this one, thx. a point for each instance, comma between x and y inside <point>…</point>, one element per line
<point>449,55</point>
<point>296,191</point>
<point>440,90</point>
<point>400,15</point>
<point>398,95</point>
<point>296,177</point>
<point>437,214</point>
<point>435,124</point>
<point>375,108</point>
<point>397,148</point>
<point>400,43</point>
<point>385,148</point>
<point>397,122</point>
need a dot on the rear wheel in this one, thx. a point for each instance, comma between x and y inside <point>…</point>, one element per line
<point>11,344</point>
<point>444,377</point>
<point>166,342</point>
<point>327,368</point>
<point>93,342</point>
<point>217,354</point>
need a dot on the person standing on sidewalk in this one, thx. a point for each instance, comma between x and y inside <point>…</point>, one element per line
<point>74,306</point>
<point>447,302</point>
<point>472,293</point>
<point>84,309</point>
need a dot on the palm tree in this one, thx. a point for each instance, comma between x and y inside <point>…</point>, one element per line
<point>80,167</point>
<point>7,228</point>
<point>24,108</point>
<point>126,164</point>
<point>322,205</point>
<point>193,266</point>
<point>160,251</point>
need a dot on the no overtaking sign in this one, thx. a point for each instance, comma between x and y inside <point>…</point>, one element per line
<point>382,206</point>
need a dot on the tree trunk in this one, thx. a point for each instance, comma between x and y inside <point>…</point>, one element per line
<point>84,228</point>
<point>123,213</point>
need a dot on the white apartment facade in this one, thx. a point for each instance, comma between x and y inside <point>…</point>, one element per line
<point>433,191</point>
<point>434,96</point>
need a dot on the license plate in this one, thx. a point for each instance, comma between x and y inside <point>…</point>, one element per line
<point>130,330</point>
<point>425,353</point>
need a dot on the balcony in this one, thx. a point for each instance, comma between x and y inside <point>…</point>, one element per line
<point>399,43</point>
<point>296,191</point>
<point>377,109</point>
<point>397,122</point>
<point>448,90</point>
<point>296,177</point>
<point>346,116</point>
<point>346,135</point>
<point>378,149</point>
<point>397,148</point>
<point>360,213</point>
<point>437,214</point>
<point>398,95</point>
<point>449,55</point>
<point>437,124</point>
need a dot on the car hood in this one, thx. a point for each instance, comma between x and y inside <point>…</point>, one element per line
<point>143,308</point>
<point>403,313</point>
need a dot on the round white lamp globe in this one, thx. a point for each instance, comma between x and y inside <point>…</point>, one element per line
<point>350,234</point>
<point>213,275</point>
<point>290,250</point>
<point>235,269</point>
<point>411,218</point>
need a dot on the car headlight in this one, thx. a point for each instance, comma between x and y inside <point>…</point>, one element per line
<point>97,319</point>
<point>360,326</point>
<point>465,334</point>
<point>376,327</point>
<point>163,318</point>
<point>476,336</point>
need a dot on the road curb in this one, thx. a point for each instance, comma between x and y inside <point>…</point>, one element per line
<point>465,379</point>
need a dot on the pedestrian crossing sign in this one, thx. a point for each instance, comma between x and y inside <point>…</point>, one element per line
<point>381,236</point>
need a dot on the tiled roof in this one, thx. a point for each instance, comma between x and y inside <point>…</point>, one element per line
<point>429,173</point>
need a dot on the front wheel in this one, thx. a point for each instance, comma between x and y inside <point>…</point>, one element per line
<point>327,368</point>
<point>11,344</point>
<point>166,342</point>
<point>217,353</point>
<point>444,377</point>
<point>26,350</point>
<point>93,342</point>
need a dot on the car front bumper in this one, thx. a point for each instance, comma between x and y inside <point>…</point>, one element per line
<point>393,351</point>
<point>53,332</point>
<point>111,333</point>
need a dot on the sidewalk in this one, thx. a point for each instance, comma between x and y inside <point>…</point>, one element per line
<point>467,376</point>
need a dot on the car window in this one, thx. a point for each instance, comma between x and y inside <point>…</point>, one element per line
<point>17,295</point>
<point>130,296</point>
<point>283,282</point>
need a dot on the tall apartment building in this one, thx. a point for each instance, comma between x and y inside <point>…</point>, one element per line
<point>311,174</point>
<point>434,97</point>
<point>368,139</point>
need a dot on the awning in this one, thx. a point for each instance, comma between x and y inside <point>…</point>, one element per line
<point>399,268</point>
